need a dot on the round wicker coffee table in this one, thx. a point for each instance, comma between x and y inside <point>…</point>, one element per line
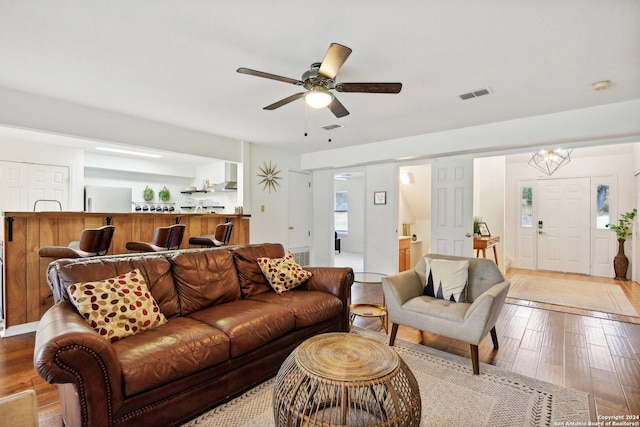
<point>344,379</point>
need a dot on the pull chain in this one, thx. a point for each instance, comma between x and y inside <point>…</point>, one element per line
<point>305,119</point>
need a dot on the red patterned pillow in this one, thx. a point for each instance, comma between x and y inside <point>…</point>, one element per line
<point>283,274</point>
<point>117,307</point>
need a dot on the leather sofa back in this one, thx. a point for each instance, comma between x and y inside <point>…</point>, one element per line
<point>155,268</point>
<point>204,278</point>
<point>182,281</point>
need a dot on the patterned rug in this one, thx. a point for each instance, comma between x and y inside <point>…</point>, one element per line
<point>451,396</point>
<point>602,297</point>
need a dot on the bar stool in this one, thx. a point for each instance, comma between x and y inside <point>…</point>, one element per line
<point>221,237</point>
<point>93,242</point>
<point>164,239</point>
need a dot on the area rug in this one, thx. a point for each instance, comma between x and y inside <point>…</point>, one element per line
<point>451,396</point>
<point>603,297</point>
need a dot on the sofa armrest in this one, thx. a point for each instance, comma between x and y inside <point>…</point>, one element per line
<point>336,281</point>
<point>488,305</point>
<point>68,350</point>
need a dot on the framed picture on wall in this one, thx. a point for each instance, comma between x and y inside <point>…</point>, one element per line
<point>379,197</point>
<point>483,229</point>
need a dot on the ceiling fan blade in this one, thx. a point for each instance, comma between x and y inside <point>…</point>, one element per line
<point>333,60</point>
<point>251,72</point>
<point>337,108</point>
<point>284,101</point>
<point>369,87</point>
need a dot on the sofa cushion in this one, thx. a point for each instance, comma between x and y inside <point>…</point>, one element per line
<point>117,307</point>
<point>248,324</point>
<point>446,279</point>
<point>252,281</point>
<point>155,268</point>
<point>309,307</point>
<point>204,277</point>
<point>284,273</point>
<point>172,351</point>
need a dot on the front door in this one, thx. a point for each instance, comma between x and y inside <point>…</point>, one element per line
<point>564,238</point>
<point>452,207</point>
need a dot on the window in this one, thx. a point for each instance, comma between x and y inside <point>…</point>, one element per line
<point>602,206</point>
<point>526,212</point>
<point>341,215</point>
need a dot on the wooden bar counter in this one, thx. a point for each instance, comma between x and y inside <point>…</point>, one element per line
<point>26,293</point>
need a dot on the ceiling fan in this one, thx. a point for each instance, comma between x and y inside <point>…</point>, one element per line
<point>320,79</point>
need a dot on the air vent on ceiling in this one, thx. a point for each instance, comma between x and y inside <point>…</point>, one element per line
<point>475,94</point>
<point>332,127</point>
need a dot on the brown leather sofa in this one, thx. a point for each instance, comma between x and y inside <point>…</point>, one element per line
<point>227,330</point>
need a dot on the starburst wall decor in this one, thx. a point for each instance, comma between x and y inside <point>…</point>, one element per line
<point>269,175</point>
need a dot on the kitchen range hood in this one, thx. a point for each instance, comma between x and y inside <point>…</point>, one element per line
<point>230,178</point>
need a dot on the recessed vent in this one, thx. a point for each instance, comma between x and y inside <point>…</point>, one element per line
<point>475,94</point>
<point>332,127</point>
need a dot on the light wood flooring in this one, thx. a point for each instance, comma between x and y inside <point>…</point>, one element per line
<point>589,351</point>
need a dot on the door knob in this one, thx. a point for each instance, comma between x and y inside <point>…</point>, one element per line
<point>540,232</point>
<point>290,227</point>
<point>468,235</point>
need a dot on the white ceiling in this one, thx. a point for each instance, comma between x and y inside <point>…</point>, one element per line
<point>176,61</point>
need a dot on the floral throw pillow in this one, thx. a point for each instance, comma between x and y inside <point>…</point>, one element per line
<point>283,274</point>
<point>117,307</point>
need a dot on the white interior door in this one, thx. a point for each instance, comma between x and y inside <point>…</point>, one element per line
<point>452,207</point>
<point>564,237</point>
<point>299,199</point>
<point>48,182</point>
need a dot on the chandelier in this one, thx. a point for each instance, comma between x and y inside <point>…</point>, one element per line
<point>548,161</point>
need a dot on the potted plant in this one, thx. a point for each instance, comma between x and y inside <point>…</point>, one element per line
<point>164,194</point>
<point>623,229</point>
<point>147,194</point>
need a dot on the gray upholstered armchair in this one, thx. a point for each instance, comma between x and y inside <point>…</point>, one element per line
<point>469,322</point>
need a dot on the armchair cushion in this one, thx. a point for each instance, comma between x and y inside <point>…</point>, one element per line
<point>117,307</point>
<point>447,279</point>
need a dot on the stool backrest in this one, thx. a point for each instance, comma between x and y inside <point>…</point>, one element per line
<point>169,237</point>
<point>96,240</point>
<point>223,232</point>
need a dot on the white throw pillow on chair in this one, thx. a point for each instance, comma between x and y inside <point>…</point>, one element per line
<point>447,279</point>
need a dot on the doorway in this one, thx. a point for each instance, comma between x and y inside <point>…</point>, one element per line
<point>349,219</point>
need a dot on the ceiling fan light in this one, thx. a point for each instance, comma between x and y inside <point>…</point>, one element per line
<point>318,98</point>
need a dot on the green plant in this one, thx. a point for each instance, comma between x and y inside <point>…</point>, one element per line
<point>164,194</point>
<point>148,194</point>
<point>624,225</point>
<point>476,224</point>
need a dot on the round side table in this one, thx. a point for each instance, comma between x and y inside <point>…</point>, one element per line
<point>344,379</point>
<point>367,309</point>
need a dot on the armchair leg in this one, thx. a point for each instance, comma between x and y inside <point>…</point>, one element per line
<point>475,361</point>
<point>494,337</point>
<point>394,332</point>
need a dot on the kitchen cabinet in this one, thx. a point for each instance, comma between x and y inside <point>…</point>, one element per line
<point>404,256</point>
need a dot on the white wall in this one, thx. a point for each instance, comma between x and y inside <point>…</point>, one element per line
<point>381,230</point>
<point>27,111</point>
<point>489,199</point>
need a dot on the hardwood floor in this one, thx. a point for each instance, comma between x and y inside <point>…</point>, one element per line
<point>589,351</point>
